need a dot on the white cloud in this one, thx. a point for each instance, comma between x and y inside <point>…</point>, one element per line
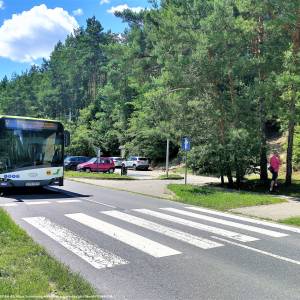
<point>1,4</point>
<point>123,7</point>
<point>78,12</point>
<point>104,2</point>
<point>33,34</point>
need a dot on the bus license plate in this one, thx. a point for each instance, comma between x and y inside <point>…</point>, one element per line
<point>32,184</point>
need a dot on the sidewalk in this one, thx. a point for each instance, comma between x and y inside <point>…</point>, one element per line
<point>274,211</point>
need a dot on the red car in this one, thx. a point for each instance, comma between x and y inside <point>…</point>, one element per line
<point>93,165</point>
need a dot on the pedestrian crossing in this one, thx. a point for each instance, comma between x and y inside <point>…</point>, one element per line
<point>149,221</point>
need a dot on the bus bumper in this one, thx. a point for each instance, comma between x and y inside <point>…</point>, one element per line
<point>31,183</point>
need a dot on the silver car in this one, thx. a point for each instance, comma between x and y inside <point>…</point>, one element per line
<point>137,163</point>
<point>117,161</point>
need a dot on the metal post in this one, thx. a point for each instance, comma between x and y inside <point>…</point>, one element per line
<point>98,158</point>
<point>167,157</point>
<point>186,168</point>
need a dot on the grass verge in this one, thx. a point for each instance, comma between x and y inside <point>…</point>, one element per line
<point>291,221</point>
<point>106,176</point>
<point>219,199</point>
<point>170,177</point>
<point>254,185</point>
<point>26,270</point>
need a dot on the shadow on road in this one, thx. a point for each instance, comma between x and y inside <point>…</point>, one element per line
<point>21,194</point>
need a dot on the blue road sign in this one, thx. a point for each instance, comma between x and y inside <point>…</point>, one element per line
<point>185,144</point>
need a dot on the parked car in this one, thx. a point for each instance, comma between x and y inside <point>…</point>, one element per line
<point>137,163</point>
<point>71,162</point>
<point>105,165</point>
<point>117,161</point>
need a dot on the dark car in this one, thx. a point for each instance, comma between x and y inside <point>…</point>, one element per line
<point>105,164</point>
<point>71,162</point>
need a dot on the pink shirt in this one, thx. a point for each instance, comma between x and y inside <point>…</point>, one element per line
<point>275,163</point>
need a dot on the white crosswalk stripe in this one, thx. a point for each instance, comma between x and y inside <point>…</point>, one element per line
<point>95,256</point>
<point>245,219</point>
<point>134,240</point>
<point>68,201</point>
<point>37,203</point>
<point>211,229</point>
<point>228,223</point>
<point>173,233</point>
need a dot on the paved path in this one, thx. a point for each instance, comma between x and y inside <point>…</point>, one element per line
<point>274,211</point>
<point>146,184</point>
<point>136,247</point>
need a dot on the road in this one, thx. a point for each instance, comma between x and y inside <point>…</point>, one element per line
<point>136,247</point>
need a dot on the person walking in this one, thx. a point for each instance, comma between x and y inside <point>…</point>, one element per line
<point>274,169</point>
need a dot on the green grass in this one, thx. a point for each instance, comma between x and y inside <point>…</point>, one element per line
<point>74,174</point>
<point>170,177</point>
<point>26,269</point>
<point>217,198</point>
<point>291,221</point>
<point>254,185</point>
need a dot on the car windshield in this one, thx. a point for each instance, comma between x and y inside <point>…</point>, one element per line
<point>142,158</point>
<point>92,160</point>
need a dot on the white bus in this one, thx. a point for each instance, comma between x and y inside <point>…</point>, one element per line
<point>31,152</point>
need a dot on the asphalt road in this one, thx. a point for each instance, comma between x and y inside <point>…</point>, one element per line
<point>134,247</point>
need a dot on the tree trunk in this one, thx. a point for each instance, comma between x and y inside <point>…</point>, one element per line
<point>222,172</point>
<point>229,176</point>
<point>263,142</point>
<point>292,110</point>
<point>289,152</point>
<point>262,110</point>
<point>222,179</point>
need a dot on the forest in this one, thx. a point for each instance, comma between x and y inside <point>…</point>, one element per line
<point>225,73</point>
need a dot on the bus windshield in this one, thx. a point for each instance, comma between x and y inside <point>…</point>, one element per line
<point>27,144</point>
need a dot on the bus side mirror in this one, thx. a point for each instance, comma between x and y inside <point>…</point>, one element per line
<point>67,138</point>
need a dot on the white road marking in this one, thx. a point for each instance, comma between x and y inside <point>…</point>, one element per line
<point>228,223</point>
<point>215,230</point>
<point>37,203</point>
<point>8,205</point>
<point>107,205</point>
<point>259,251</point>
<point>96,202</point>
<point>173,233</point>
<point>249,220</point>
<point>137,241</point>
<point>88,200</point>
<point>95,256</point>
<point>68,201</point>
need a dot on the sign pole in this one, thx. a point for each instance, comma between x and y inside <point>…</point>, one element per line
<point>167,157</point>
<point>186,168</point>
<point>98,158</point>
<point>186,146</point>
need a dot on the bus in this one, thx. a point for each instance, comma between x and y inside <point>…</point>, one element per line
<point>31,152</point>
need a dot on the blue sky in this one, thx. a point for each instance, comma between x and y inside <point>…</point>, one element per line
<point>30,28</point>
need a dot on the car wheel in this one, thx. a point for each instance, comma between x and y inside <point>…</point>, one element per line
<point>88,170</point>
<point>134,167</point>
<point>111,171</point>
